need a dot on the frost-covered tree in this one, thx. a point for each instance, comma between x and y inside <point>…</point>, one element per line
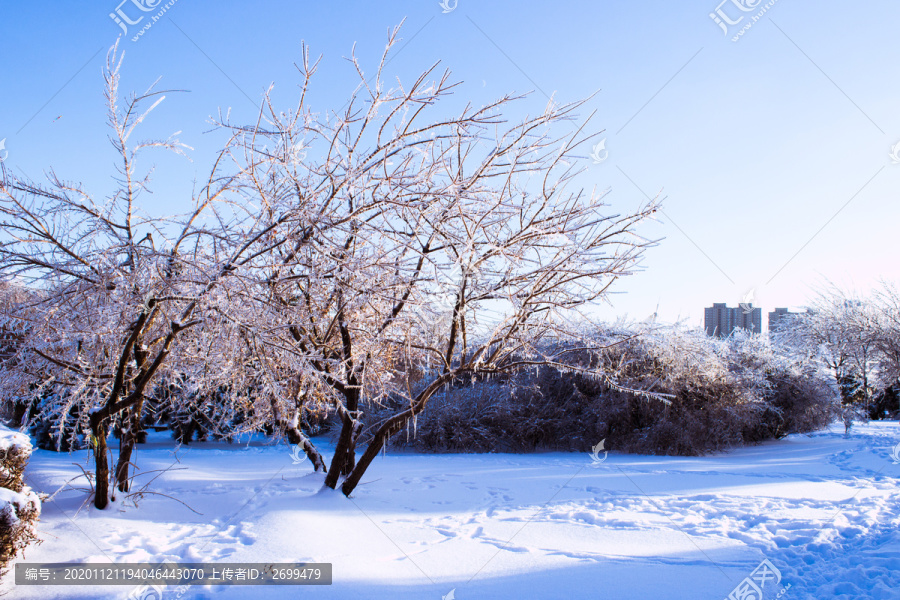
<point>439,244</point>
<point>841,330</point>
<point>887,324</point>
<point>109,289</point>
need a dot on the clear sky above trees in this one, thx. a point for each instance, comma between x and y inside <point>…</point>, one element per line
<point>773,151</point>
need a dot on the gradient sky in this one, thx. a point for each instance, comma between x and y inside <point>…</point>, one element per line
<point>772,152</point>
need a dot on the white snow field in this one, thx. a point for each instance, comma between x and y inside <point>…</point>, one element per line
<point>823,510</point>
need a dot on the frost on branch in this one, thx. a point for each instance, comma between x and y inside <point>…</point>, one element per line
<point>105,291</point>
<point>429,243</point>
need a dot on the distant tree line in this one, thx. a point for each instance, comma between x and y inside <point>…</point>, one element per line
<point>857,341</point>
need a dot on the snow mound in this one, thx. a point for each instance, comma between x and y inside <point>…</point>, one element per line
<point>20,507</point>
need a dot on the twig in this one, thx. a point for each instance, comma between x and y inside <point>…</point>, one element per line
<point>141,493</point>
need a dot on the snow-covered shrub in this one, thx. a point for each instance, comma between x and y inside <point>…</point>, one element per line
<point>20,507</point>
<point>719,394</point>
<point>485,416</point>
<point>795,392</point>
<point>15,449</point>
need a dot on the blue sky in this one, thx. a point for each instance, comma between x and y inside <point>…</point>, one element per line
<point>773,152</point>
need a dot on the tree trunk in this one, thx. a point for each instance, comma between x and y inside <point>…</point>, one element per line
<point>389,428</point>
<point>126,445</point>
<point>20,412</point>
<point>365,460</point>
<point>381,437</point>
<point>350,460</point>
<point>296,438</point>
<point>100,431</point>
<point>344,458</point>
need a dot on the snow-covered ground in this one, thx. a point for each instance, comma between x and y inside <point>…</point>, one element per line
<point>822,509</point>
